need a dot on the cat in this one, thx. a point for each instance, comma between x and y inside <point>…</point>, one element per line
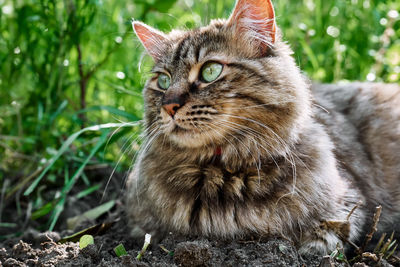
<point>239,143</point>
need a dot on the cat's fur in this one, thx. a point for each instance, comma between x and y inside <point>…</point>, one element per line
<point>257,152</point>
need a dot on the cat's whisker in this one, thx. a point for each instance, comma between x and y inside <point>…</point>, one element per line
<point>251,154</point>
<point>123,149</point>
<point>256,145</point>
<point>234,100</point>
<point>124,146</point>
<point>321,107</point>
<point>156,89</point>
<point>282,142</point>
<point>289,156</point>
<point>151,137</point>
<point>255,134</point>
<point>216,131</point>
<point>123,124</point>
<point>203,132</point>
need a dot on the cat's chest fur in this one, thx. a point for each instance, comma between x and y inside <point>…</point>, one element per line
<point>278,195</point>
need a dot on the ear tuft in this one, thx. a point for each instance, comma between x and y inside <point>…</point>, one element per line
<point>254,20</point>
<point>153,40</point>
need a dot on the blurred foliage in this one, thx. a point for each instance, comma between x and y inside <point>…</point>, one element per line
<point>69,64</point>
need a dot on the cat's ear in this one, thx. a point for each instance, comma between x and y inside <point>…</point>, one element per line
<point>153,40</point>
<point>255,20</point>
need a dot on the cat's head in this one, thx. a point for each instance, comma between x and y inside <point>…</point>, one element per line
<point>232,81</point>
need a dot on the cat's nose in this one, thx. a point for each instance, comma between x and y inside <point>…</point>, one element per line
<point>171,108</point>
<point>173,100</point>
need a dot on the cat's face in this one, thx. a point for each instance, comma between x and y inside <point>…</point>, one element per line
<point>225,82</point>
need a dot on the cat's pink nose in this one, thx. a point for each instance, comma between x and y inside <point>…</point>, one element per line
<point>171,109</point>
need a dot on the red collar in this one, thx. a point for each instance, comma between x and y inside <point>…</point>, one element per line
<point>218,151</point>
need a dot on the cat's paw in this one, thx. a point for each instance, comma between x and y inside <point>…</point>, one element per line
<point>326,238</point>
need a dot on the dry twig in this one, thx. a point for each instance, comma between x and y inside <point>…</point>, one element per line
<point>374,228</point>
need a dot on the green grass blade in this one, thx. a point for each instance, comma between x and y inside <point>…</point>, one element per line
<point>88,191</point>
<point>72,181</point>
<point>65,146</point>
<point>112,110</point>
<point>60,109</point>
<point>60,205</point>
<point>46,209</point>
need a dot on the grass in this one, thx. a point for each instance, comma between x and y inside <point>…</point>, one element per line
<point>70,81</point>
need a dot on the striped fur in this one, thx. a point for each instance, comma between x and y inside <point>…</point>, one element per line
<point>287,166</point>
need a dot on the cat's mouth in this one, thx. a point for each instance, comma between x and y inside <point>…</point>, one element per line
<point>190,125</point>
<point>177,129</point>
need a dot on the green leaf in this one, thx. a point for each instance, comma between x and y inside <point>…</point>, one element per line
<point>120,250</point>
<point>93,230</point>
<point>92,214</point>
<point>85,240</point>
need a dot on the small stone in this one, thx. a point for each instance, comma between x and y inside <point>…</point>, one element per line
<point>192,253</point>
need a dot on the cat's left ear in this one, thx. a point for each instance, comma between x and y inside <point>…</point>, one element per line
<point>153,40</point>
<point>254,20</point>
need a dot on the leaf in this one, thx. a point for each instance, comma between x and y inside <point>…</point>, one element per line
<point>85,241</point>
<point>120,250</point>
<point>93,230</point>
<point>90,214</point>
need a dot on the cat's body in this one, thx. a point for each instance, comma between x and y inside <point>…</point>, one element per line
<point>254,151</point>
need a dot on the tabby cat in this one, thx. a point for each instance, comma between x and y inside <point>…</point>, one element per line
<point>239,143</point>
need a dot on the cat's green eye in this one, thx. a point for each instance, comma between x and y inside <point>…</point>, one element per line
<point>163,81</point>
<point>211,71</point>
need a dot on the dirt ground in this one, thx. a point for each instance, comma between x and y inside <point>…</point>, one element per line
<point>44,249</point>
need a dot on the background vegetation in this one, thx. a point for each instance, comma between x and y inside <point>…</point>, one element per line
<point>71,64</point>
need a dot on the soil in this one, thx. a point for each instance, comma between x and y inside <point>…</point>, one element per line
<point>45,249</point>
<point>42,249</point>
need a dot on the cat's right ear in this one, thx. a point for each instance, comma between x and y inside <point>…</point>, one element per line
<point>153,40</point>
<point>254,21</point>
